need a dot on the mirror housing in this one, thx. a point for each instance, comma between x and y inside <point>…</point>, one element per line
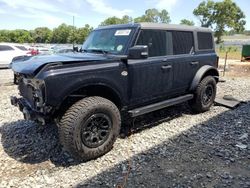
<point>138,52</point>
<point>75,49</point>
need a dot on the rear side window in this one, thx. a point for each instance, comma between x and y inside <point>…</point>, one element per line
<point>22,48</point>
<point>205,41</point>
<point>5,48</point>
<point>183,42</point>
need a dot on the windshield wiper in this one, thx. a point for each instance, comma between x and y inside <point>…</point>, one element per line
<point>96,50</point>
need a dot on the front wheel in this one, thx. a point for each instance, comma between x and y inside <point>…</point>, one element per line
<point>204,95</point>
<point>90,127</point>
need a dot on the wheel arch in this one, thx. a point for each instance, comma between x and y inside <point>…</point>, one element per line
<point>94,89</point>
<point>204,71</point>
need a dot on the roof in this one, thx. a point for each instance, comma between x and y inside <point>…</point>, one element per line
<point>173,27</point>
<point>160,26</point>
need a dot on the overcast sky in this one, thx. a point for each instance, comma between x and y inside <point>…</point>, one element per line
<point>29,14</point>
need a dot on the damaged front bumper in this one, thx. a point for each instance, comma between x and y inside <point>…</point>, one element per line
<point>28,112</point>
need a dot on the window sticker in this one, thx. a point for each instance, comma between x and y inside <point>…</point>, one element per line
<point>123,32</point>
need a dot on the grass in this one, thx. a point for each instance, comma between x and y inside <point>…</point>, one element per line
<point>234,52</point>
<point>236,55</point>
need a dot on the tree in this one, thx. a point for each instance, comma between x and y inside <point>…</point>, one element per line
<point>61,33</point>
<point>79,35</point>
<point>154,15</point>
<point>205,12</point>
<point>5,36</point>
<point>221,15</point>
<point>114,20</point>
<point>19,36</point>
<point>42,35</point>
<point>187,22</point>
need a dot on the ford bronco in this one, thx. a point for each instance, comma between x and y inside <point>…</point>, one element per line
<point>120,70</point>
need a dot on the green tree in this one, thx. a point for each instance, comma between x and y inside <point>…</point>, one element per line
<point>78,35</point>
<point>187,22</point>
<point>19,36</point>
<point>154,15</point>
<point>42,35</point>
<point>61,34</point>
<point>204,12</point>
<point>5,36</point>
<point>82,33</point>
<point>220,15</point>
<point>114,20</point>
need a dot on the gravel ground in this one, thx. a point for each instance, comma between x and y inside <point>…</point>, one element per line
<point>168,148</point>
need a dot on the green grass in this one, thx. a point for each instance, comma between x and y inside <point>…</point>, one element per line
<point>231,55</point>
<point>233,52</point>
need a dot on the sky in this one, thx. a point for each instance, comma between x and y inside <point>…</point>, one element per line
<point>29,14</point>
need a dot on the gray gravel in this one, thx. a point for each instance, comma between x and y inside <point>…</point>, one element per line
<point>168,148</point>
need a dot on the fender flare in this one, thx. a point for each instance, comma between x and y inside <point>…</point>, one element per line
<point>200,74</point>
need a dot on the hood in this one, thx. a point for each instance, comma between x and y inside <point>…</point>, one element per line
<point>28,65</point>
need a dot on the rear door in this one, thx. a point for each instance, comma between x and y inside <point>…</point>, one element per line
<point>185,62</point>
<point>151,78</point>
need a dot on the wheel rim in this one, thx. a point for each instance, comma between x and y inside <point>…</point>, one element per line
<point>96,130</point>
<point>207,94</point>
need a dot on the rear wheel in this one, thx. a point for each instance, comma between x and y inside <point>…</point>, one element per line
<point>204,95</point>
<point>90,127</point>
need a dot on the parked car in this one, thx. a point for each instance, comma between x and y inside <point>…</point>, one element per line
<point>121,71</point>
<point>63,50</point>
<point>8,51</point>
<point>44,51</point>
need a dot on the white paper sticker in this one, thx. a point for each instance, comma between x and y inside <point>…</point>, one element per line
<point>124,32</point>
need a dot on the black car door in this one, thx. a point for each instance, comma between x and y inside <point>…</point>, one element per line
<point>185,62</point>
<point>150,78</point>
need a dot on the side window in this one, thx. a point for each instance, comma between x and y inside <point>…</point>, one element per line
<point>205,41</point>
<point>156,41</point>
<point>5,48</point>
<point>183,42</point>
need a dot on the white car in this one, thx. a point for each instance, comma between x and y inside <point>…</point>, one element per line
<point>10,50</point>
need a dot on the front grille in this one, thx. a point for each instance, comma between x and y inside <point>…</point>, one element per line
<point>27,92</point>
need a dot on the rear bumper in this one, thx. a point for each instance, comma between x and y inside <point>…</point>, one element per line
<point>28,112</point>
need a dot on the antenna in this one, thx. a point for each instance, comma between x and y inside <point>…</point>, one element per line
<point>73,32</point>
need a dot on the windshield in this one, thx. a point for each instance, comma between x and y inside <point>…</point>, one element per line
<point>112,41</point>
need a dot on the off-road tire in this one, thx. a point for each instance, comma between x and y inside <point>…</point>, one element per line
<point>197,104</point>
<point>74,120</point>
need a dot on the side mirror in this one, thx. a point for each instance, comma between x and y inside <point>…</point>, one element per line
<point>75,49</point>
<point>138,52</point>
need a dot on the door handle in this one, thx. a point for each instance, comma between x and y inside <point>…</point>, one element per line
<point>166,67</point>
<point>194,63</point>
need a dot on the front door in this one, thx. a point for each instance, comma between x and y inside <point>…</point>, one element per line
<point>151,78</point>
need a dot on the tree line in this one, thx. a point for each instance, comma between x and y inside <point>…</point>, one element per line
<point>62,34</point>
<point>218,16</point>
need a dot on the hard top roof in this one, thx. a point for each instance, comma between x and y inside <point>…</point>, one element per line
<point>157,26</point>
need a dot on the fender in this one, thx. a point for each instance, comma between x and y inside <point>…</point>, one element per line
<point>201,73</point>
<point>60,96</point>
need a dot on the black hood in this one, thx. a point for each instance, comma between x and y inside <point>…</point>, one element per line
<point>28,65</point>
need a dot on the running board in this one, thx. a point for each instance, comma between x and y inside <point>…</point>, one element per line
<point>160,105</point>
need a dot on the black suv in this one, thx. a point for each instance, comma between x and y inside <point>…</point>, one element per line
<point>120,70</point>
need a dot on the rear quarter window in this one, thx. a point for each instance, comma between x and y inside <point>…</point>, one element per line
<point>5,48</point>
<point>205,41</point>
